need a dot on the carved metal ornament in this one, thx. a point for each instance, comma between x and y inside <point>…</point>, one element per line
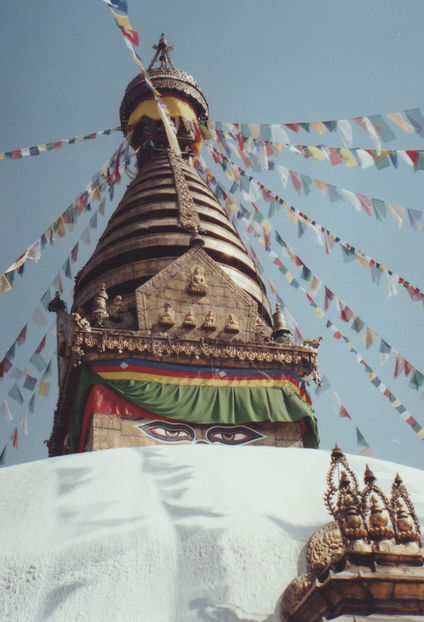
<point>231,324</point>
<point>188,216</point>
<point>209,321</point>
<point>198,284</point>
<point>189,319</point>
<point>368,561</point>
<point>301,360</point>
<point>167,316</point>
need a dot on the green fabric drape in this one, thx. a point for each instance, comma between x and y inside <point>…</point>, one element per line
<point>202,404</point>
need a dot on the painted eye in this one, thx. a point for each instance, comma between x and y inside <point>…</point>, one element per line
<point>168,432</point>
<point>232,435</point>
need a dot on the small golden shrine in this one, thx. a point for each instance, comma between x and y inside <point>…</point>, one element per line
<point>368,561</point>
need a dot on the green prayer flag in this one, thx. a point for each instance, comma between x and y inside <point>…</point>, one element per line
<point>380,209</point>
<point>357,324</point>
<point>348,254</point>
<point>416,379</point>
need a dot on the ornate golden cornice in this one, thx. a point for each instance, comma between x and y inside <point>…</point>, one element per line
<point>300,359</point>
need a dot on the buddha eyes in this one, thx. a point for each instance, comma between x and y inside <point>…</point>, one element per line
<point>169,432</point>
<point>232,435</point>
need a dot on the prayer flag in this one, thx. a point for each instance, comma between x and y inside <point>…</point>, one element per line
<point>3,456</point>
<point>339,408</point>
<point>416,380</point>
<point>416,118</point>
<point>5,365</point>
<point>22,336</point>
<point>14,438</point>
<point>380,126</point>
<point>67,269</point>
<point>296,182</point>
<point>397,213</point>
<point>30,383</point>
<point>15,394</point>
<point>369,337</point>
<point>57,282</point>
<point>325,384</point>
<point>74,253</point>
<point>385,350</point>
<point>4,408</point>
<point>357,324</point>
<point>398,118</point>
<point>31,404</point>
<point>24,423</point>
<point>38,317</point>
<point>45,299</point>
<point>328,298</point>
<point>44,388</point>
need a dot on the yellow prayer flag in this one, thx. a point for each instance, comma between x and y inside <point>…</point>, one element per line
<point>315,283</point>
<point>369,337</point>
<point>316,153</point>
<point>289,276</point>
<point>5,286</point>
<point>122,20</point>
<point>363,261</point>
<point>42,147</point>
<point>318,126</point>
<point>96,195</point>
<point>319,312</point>
<point>266,227</point>
<point>397,118</point>
<point>396,403</point>
<point>292,216</point>
<point>322,186</point>
<point>372,375</point>
<point>348,157</point>
<point>421,433</point>
<point>279,147</point>
<point>2,156</point>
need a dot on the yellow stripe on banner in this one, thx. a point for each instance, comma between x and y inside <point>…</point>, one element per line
<point>149,108</point>
<point>421,433</point>
<point>201,382</point>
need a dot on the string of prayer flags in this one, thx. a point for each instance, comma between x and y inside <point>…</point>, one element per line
<point>350,157</point>
<point>80,205</point>
<point>17,154</point>
<point>372,376</point>
<point>347,314</point>
<point>370,205</point>
<point>120,15</point>
<point>372,124</point>
<point>349,251</point>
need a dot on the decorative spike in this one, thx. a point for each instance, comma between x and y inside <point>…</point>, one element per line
<point>336,454</point>
<point>369,477</point>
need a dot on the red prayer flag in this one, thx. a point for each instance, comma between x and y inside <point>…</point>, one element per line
<point>296,182</point>
<point>42,345</point>
<point>22,336</point>
<point>74,253</point>
<point>366,203</point>
<point>14,438</point>
<point>294,127</point>
<point>334,156</point>
<point>131,35</point>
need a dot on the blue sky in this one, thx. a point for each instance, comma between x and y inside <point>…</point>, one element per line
<point>64,74</point>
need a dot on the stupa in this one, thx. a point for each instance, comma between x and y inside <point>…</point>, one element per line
<point>171,337</point>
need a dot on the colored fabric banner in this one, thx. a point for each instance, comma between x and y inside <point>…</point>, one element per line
<point>184,393</point>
